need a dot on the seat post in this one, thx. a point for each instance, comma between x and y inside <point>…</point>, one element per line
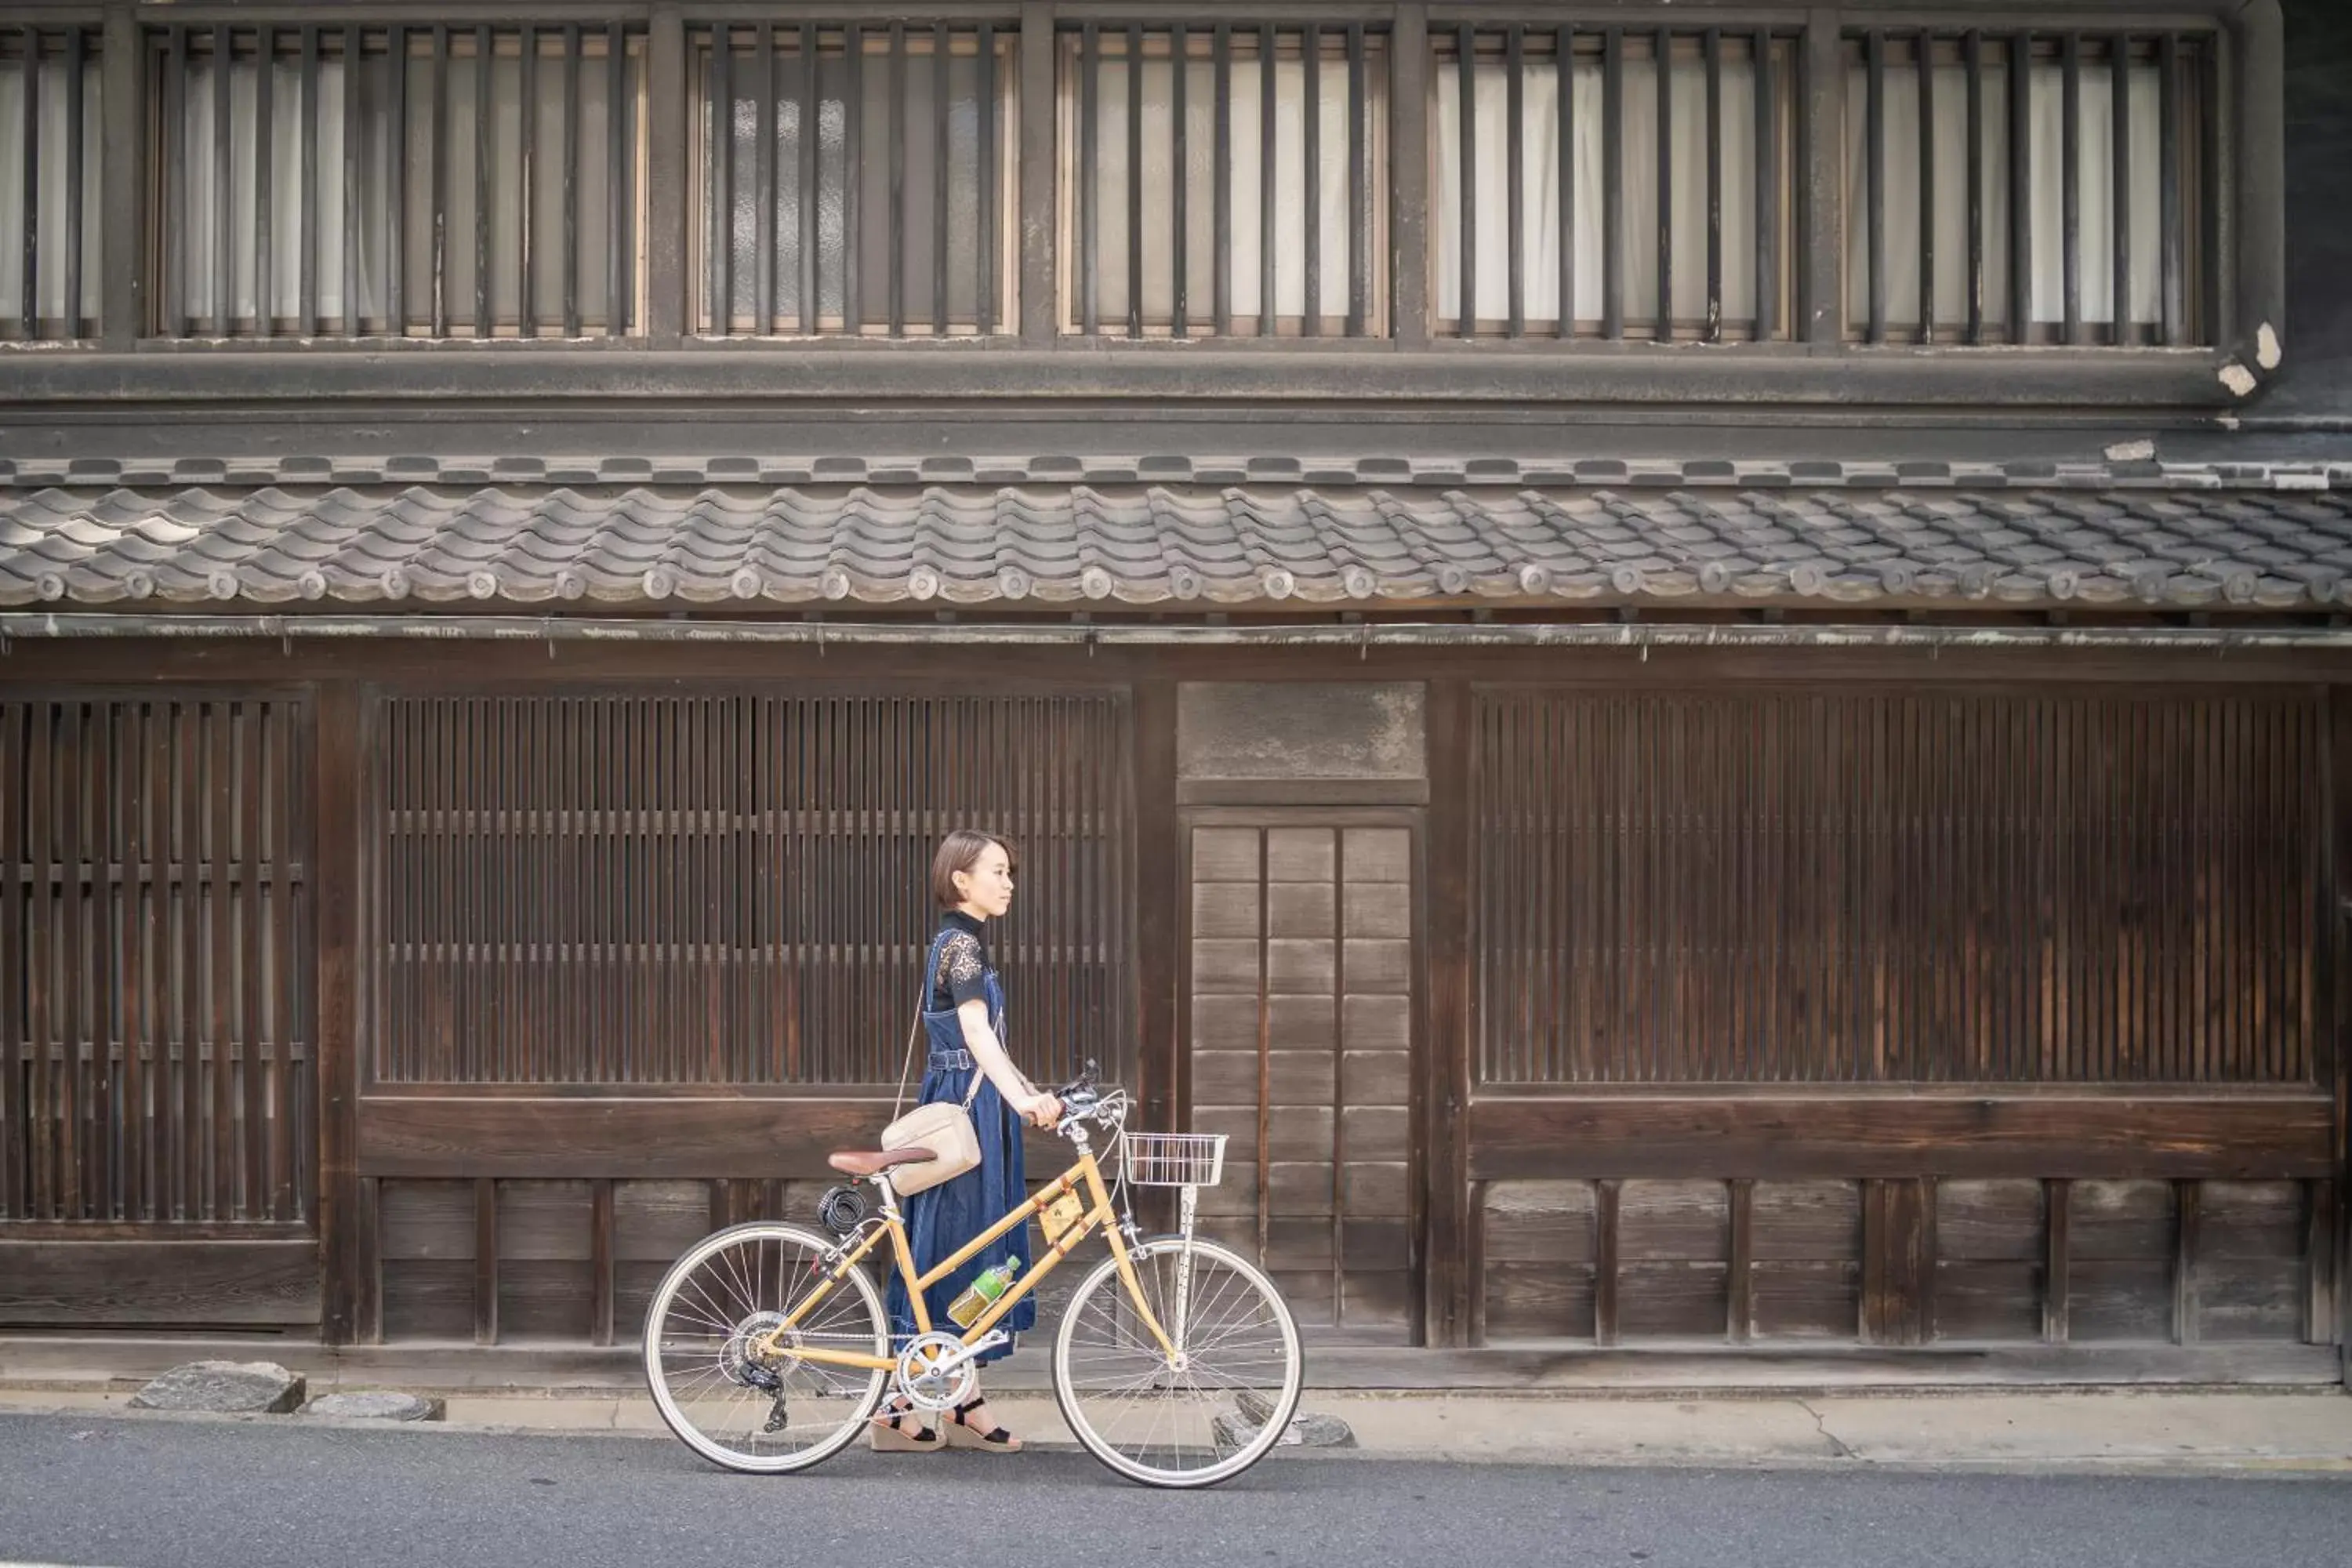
<point>881,1180</point>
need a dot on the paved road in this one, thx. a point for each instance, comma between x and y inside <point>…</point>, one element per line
<point>157,1494</point>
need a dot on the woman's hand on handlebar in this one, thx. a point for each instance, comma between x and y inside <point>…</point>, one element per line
<point>1044,1112</point>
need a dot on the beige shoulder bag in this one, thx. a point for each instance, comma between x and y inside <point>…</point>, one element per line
<point>944,1128</point>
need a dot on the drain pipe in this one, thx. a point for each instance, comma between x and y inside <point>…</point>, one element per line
<point>1366,634</point>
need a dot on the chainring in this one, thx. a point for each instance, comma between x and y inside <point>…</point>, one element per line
<point>928,1390</point>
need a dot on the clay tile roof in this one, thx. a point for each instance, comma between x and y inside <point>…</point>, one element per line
<point>1179,546</point>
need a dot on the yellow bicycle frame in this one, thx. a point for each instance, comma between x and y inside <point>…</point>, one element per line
<point>1100,1214</point>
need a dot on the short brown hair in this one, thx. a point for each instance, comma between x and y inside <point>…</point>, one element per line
<point>960,851</point>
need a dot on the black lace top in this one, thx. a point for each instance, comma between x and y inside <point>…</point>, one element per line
<point>961,973</point>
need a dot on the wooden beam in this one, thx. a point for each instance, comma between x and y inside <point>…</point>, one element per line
<point>485,1261</point>
<point>1893,1135</point>
<point>646,1138</point>
<point>1039,186</point>
<point>667,113</point>
<point>120,1284</point>
<point>1605,1209</point>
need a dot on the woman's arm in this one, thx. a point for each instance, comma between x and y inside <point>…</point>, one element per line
<point>990,1052</point>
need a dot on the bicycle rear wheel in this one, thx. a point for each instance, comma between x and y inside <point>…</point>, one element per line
<point>1198,1420</point>
<point>726,1401</point>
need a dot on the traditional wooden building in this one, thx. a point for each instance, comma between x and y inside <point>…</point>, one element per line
<point>1687,661</point>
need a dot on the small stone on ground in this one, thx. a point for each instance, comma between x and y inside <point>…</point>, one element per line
<point>224,1388</point>
<point>1307,1430</point>
<point>376,1404</point>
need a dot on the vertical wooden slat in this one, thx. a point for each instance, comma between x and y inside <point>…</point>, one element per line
<point>989,179</point>
<point>621,225</point>
<point>1090,189</point>
<point>265,50</point>
<point>1972,57</point>
<point>485,186</point>
<point>2119,178</point>
<point>571,164</point>
<point>2070,181</point>
<point>1223,180</point>
<point>29,306</point>
<point>812,176</point>
<point>1873,159</point>
<point>1663,51</point>
<point>1360,188</point>
<point>224,66</point>
<point>1514,206</point>
<point>719,201</point>
<point>2172,291</point>
<point>286,1020</point>
<point>1929,205</point>
<point>1268,181</point>
<point>2018,64</point>
<point>1466,66</point>
<point>220,940</point>
<point>354,64</point>
<point>1612,183</point>
<point>527,235</point>
<point>853,184</point>
<point>1310,72</point>
<point>943,114</point>
<point>1714,49</point>
<point>1134,155</point>
<point>69,242</point>
<point>437,214</point>
<point>1564,100</point>
<point>179,231</point>
<point>897,120</point>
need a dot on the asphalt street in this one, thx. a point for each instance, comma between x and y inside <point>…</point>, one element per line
<point>170,1494</point>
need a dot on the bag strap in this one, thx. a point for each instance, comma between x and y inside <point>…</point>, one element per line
<point>914,1033</point>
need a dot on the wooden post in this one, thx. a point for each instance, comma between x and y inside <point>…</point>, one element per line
<point>2336,957</point>
<point>1741,1295</point>
<point>347,1257</point>
<point>123,204</point>
<point>1040,185</point>
<point>665,162</point>
<point>1409,177</point>
<point>1821,176</point>
<point>1158,932</point>
<point>1446,1076</point>
<point>2057,1287</point>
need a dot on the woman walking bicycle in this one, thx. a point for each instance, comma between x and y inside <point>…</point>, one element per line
<point>963,1023</point>
<point>768,1347</point>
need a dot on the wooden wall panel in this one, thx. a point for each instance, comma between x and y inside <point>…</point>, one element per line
<point>1873,887</point>
<point>156,1014</point>
<point>734,890</point>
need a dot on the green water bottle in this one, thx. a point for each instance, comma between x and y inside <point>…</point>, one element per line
<point>968,1306</point>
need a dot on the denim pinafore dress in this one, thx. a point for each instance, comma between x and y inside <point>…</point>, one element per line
<point>941,1219</point>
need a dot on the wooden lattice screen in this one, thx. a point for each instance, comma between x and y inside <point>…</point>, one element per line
<point>734,889</point>
<point>1975,887</point>
<point>155,999</point>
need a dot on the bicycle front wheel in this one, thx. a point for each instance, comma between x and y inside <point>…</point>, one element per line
<point>728,1399</point>
<point>1206,1414</point>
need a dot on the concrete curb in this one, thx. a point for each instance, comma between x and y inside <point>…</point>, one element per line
<point>2249,1436</point>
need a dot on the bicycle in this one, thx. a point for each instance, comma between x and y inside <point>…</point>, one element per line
<point>768,1349</point>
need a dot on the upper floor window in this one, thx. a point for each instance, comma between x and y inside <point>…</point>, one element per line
<point>49,172</point>
<point>1223,181</point>
<point>441,182</point>
<point>2027,188</point>
<point>1612,183</point>
<point>856,179</point>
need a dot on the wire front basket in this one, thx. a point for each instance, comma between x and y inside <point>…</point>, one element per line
<point>1175,1158</point>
